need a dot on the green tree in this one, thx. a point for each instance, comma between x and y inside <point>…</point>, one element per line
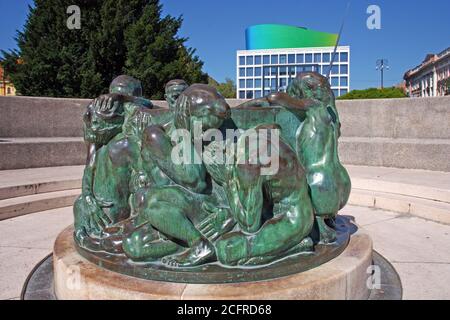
<point>116,36</point>
<point>374,93</point>
<point>227,89</point>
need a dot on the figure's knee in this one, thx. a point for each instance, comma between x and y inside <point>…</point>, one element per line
<point>132,246</point>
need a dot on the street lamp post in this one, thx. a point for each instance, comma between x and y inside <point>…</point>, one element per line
<point>381,65</point>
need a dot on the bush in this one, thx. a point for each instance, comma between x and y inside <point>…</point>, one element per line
<point>374,93</point>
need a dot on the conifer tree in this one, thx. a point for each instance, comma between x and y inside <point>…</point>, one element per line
<point>116,36</point>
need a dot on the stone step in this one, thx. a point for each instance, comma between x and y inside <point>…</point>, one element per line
<point>11,208</point>
<point>405,189</point>
<point>22,153</point>
<point>425,154</point>
<point>24,182</point>
<point>427,209</point>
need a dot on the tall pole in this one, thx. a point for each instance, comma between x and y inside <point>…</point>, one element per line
<point>381,65</point>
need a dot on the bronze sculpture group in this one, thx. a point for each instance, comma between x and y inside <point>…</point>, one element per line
<point>139,204</point>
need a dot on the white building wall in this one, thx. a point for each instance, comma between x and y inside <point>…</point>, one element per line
<point>276,68</point>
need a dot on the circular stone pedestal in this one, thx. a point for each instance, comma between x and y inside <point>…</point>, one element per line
<point>344,277</point>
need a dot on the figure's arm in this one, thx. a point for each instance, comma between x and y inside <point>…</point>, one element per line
<point>140,101</point>
<point>284,100</point>
<point>261,102</point>
<point>245,194</point>
<point>89,169</point>
<point>157,146</point>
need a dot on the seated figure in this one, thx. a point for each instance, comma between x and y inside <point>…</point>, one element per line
<point>181,195</point>
<point>311,99</point>
<point>111,157</point>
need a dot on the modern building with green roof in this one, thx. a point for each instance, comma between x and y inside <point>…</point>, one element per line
<point>276,53</point>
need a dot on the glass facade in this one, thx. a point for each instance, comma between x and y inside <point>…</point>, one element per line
<point>261,72</point>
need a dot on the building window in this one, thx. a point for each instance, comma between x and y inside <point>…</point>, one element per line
<point>292,71</point>
<point>241,94</point>
<point>249,83</point>
<point>317,58</point>
<point>273,84</point>
<point>325,70</point>
<point>258,72</point>
<point>344,91</point>
<point>283,82</point>
<point>242,83</point>
<point>266,83</point>
<point>283,59</point>
<point>335,69</point>
<point>266,92</point>
<point>249,95</point>
<point>274,59</point>
<point>249,60</point>
<point>257,59</point>
<point>344,57</point>
<point>242,61</point>
<point>301,58</point>
<point>257,94</point>
<point>334,81</point>
<point>266,71</point>
<point>266,59</point>
<point>344,69</point>
<point>308,68</point>
<point>283,71</point>
<point>309,58</point>
<point>273,71</point>
<point>326,57</point>
<point>249,72</point>
<point>336,92</point>
<point>257,83</point>
<point>291,58</point>
<point>241,72</point>
<point>344,81</point>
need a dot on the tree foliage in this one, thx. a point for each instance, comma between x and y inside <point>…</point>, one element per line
<point>374,93</point>
<point>116,37</point>
<point>227,89</point>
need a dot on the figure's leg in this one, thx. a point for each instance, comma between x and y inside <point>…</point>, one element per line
<point>167,210</point>
<point>276,236</point>
<point>326,200</point>
<point>327,234</point>
<point>146,245</point>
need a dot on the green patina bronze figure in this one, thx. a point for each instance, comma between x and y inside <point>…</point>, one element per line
<point>168,193</point>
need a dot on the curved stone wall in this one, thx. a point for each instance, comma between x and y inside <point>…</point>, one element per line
<point>402,133</point>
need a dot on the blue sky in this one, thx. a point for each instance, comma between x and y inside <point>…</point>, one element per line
<point>410,30</point>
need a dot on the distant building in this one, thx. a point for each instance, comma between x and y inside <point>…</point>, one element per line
<point>431,78</point>
<point>276,53</point>
<point>6,86</point>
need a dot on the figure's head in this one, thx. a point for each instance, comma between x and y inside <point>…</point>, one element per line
<point>103,122</point>
<point>173,89</point>
<point>127,86</point>
<point>201,103</point>
<point>311,85</point>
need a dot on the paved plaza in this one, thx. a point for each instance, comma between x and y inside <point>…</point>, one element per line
<point>417,247</point>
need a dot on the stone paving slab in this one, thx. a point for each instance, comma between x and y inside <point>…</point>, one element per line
<point>24,241</point>
<point>418,249</point>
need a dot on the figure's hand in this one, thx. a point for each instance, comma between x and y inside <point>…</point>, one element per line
<point>218,222</point>
<point>108,103</point>
<point>98,219</point>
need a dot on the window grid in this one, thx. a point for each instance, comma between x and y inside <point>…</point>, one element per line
<point>272,71</point>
